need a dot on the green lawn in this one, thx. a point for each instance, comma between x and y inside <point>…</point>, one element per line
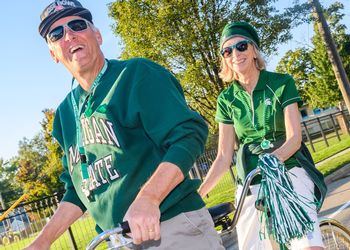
<point>331,165</point>
<point>83,229</point>
<point>323,152</point>
<point>224,191</point>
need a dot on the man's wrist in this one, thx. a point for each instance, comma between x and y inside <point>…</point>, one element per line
<point>143,194</point>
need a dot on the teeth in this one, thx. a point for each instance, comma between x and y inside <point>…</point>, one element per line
<point>75,48</point>
<point>239,61</point>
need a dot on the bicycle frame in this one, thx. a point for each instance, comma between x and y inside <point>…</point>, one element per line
<point>248,180</point>
<point>118,231</point>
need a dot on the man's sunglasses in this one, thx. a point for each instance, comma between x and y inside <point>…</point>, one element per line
<point>76,25</point>
<point>240,46</point>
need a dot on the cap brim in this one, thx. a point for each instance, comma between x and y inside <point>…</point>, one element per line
<point>237,35</point>
<point>47,22</point>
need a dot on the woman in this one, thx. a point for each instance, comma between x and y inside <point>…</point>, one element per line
<point>260,109</point>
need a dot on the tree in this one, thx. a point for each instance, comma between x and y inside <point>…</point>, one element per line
<point>312,69</point>
<point>324,90</point>
<point>333,55</point>
<point>184,37</point>
<point>10,190</point>
<point>53,166</point>
<point>39,161</point>
<point>298,63</point>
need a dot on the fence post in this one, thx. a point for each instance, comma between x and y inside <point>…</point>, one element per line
<point>71,237</point>
<point>191,175</point>
<point>322,132</point>
<point>233,176</point>
<point>198,173</point>
<point>335,129</point>
<point>345,121</point>
<point>309,137</point>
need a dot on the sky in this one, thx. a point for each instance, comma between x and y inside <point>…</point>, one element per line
<point>32,82</point>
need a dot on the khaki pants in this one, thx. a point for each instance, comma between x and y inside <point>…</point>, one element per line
<point>187,231</point>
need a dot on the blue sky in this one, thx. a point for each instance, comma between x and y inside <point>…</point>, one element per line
<point>31,81</point>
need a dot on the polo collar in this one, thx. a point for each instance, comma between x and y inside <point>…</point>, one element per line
<point>263,77</point>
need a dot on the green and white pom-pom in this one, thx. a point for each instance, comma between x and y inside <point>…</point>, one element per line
<point>283,215</point>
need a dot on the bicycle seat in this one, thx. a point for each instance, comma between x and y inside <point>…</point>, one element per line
<point>219,211</point>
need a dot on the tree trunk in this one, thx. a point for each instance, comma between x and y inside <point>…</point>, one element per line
<point>333,55</point>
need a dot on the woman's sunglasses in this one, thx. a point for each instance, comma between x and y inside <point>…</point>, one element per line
<point>76,25</point>
<point>240,46</point>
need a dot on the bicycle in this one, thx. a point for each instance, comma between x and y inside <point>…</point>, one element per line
<point>334,235</point>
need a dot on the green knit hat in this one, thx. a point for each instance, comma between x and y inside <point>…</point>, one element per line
<point>242,29</point>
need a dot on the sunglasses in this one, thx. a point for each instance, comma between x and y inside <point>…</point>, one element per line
<point>240,46</point>
<point>76,25</point>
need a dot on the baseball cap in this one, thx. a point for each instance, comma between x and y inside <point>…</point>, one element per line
<point>242,29</point>
<point>59,9</point>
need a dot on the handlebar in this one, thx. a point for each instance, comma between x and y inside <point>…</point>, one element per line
<point>248,180</point>
<point>117,232</point>
<point>123,227</point>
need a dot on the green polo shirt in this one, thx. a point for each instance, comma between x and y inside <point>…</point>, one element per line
<point>259,115</point>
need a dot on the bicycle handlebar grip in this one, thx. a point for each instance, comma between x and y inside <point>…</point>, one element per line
<point>125,227</point>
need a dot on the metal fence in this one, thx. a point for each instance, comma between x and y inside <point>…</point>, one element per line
<point>321,127</point>
<point>227,184</point>
<point>24,223</point>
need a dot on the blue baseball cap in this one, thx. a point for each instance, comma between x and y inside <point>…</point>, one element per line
<point>59,9</point>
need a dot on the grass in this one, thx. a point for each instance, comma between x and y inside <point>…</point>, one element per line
<point>83,229</point>
<point>333,164</point>
<point>225,190</point>
<point>323,152</point>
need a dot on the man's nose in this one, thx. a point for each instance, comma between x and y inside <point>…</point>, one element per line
<point>69,34</point>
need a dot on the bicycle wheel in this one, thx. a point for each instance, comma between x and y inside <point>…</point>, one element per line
<point>334,235</point>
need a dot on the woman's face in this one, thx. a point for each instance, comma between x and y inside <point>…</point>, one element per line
<point>239,58</point>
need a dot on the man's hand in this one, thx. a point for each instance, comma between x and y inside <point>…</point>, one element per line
<point>144,219</point>
<point>143,214</point>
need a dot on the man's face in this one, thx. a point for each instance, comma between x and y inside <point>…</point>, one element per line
<point>77,51</point>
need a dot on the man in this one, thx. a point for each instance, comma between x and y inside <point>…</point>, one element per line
<point>129,141</point>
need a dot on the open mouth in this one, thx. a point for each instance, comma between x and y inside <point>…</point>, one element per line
<point>76,49</point>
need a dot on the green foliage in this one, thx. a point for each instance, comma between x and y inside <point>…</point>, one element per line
<point>312,69</point>
<point>323,90</point>
<point>10,190</point>
<point>53,166</point>
<point>39,161</point>
<point>298,63</point>
<point>184,37</point>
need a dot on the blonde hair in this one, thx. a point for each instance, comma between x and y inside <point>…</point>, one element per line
<point>228,75</point>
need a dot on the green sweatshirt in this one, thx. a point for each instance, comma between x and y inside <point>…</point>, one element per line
<point>140,119</point>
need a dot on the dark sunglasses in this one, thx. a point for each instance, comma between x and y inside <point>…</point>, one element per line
<point>76,25</point>
<point>240,46</point>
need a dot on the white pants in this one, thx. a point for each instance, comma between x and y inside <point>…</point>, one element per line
<point>248,226</point>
